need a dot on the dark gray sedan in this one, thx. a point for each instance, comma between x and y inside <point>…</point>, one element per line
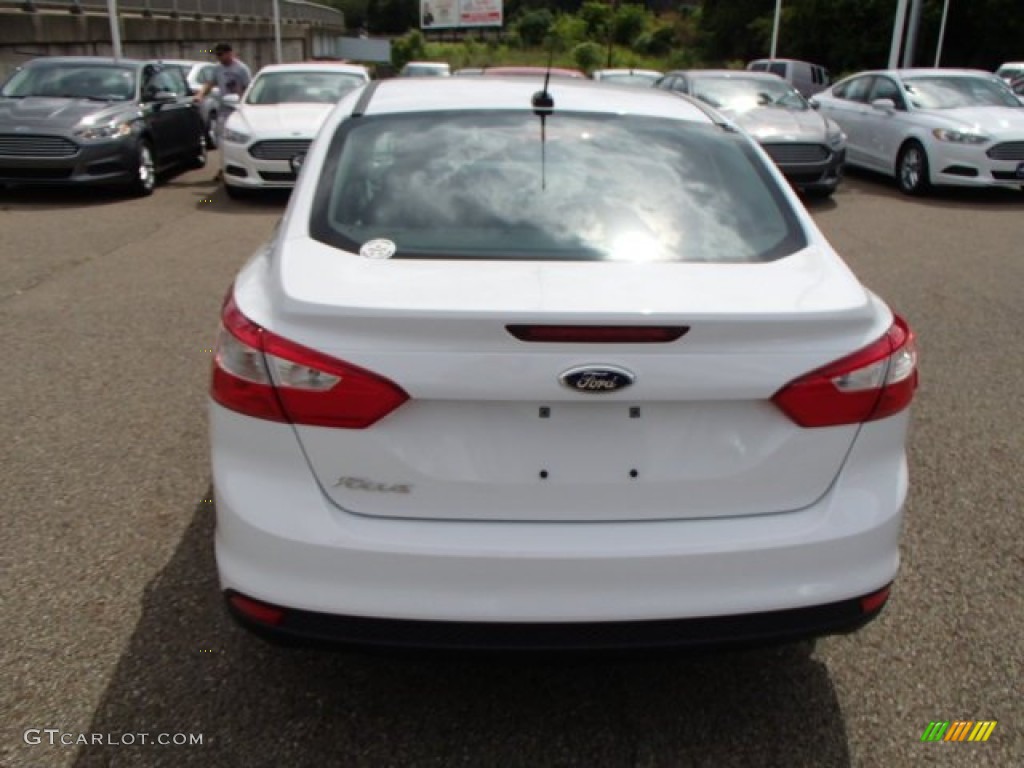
<point>91,120</point>
<point>807,147</point>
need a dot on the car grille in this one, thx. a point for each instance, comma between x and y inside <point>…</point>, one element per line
<point>1009,150</point>
<point>786,154</point>
<point>277,176</point>
<point>35,174</point>
<point>279,150</point>
<point>36,146</point>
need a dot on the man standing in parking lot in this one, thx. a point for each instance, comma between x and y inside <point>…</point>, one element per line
<point>230,76</point>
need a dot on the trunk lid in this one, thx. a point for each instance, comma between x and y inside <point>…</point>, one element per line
<point>491,433</point>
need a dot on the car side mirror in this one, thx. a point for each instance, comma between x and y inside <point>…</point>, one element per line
<point>160,97</point>
<point>814,104</point>
<point>231,99</point>
<point>884,105</point>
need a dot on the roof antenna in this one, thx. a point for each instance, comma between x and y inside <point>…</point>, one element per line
<point>543,105</point>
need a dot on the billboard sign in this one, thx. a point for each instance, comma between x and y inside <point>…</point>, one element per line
<point>455,14</point>
<point>439,14</point>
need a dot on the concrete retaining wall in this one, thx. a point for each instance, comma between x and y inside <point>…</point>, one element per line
<point>26,35</point>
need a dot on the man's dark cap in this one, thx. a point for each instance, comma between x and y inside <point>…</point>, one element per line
<point>222,48</point>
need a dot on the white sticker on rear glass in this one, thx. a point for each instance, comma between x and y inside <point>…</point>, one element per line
<point>378,249</point>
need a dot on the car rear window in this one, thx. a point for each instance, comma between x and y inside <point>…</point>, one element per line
<point>502,186</point>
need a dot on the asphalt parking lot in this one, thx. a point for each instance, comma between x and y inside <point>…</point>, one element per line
<point>114,625</point>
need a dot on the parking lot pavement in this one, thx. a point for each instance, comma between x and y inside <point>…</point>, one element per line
<point>113,624</point>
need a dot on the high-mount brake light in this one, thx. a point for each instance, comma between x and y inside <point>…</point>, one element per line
<point>597,334</point>
<point>260,374</point>
<point>868,385</point>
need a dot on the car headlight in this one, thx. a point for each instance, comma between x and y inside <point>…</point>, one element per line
<point>836,140</point>
<point>959,137</point>
<point>236,137</point>
<point>115,129</point>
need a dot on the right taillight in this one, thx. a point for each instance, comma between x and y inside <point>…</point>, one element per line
<point>260,374</point>
<point>871,384</point>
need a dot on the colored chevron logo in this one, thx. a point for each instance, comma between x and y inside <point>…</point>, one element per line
<point>958,730</point>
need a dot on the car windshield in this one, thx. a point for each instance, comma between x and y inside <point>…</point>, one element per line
<point>503,186</point>
<point>741,94</point>
<point>302,87</point>
<point>630,78</point>
<point>953,92</point>
<point>72,81</point>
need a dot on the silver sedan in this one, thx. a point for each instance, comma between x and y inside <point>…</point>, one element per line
<point>808,148</point>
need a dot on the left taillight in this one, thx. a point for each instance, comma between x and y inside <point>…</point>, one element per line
<point>260,374</point>
<point>871,384</point>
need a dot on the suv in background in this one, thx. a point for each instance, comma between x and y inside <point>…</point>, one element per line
<point>807,78</point>
<point>197,73</point>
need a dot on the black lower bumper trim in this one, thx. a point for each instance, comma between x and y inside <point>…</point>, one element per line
<point>321,629</point>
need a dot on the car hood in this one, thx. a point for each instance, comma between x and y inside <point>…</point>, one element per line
<point>780,124</point>
<point>53,115</point>
<point>292,120</point>
<point>994,121</point>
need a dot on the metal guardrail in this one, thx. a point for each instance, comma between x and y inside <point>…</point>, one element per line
<point>297,11</point>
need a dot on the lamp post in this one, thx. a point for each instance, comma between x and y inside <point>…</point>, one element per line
<point>915,23</point>
<point>942,33</point>
<point>897,34</point>
<point>279,57</point>
<point>775,28</point>
<point>115,29</point>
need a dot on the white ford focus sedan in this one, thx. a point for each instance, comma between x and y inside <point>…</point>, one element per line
<point>931,126</point>
<point>276,120</point>
<point>521,368</point>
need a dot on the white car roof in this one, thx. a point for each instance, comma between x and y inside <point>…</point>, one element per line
<point>744,74</point>
<point>926,72</point>
<point>316,66</point>
<point>408,95</point>
<point>627,72</point>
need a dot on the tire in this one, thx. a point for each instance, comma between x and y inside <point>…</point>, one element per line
<point>912,169</point>
<point>198,157</point>
<point>819,193</point>
<point>145,170</point>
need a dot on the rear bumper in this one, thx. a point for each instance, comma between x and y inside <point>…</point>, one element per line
<point>281,541</point>
<point>325,630</point>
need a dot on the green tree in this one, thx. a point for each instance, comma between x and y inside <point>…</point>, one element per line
<point>533,26</point>
<point>588,56</point>
<point>629,22</point>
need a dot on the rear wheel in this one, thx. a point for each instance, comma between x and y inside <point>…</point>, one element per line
<point>912,169</point>
<point>144,181</point>
<point>819,193</point>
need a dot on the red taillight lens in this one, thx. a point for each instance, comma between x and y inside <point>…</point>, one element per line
<point>874,601</point>
<point>257,611</point>
<point>871,384</point>
<point>265,376</point>
<point>598,334</point>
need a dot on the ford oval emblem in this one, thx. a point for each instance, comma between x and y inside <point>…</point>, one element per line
<point>597,379</point>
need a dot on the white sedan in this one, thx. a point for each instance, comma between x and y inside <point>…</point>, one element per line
<point>277,119</point>
<point>528,369</point>
<point>931,126</point>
